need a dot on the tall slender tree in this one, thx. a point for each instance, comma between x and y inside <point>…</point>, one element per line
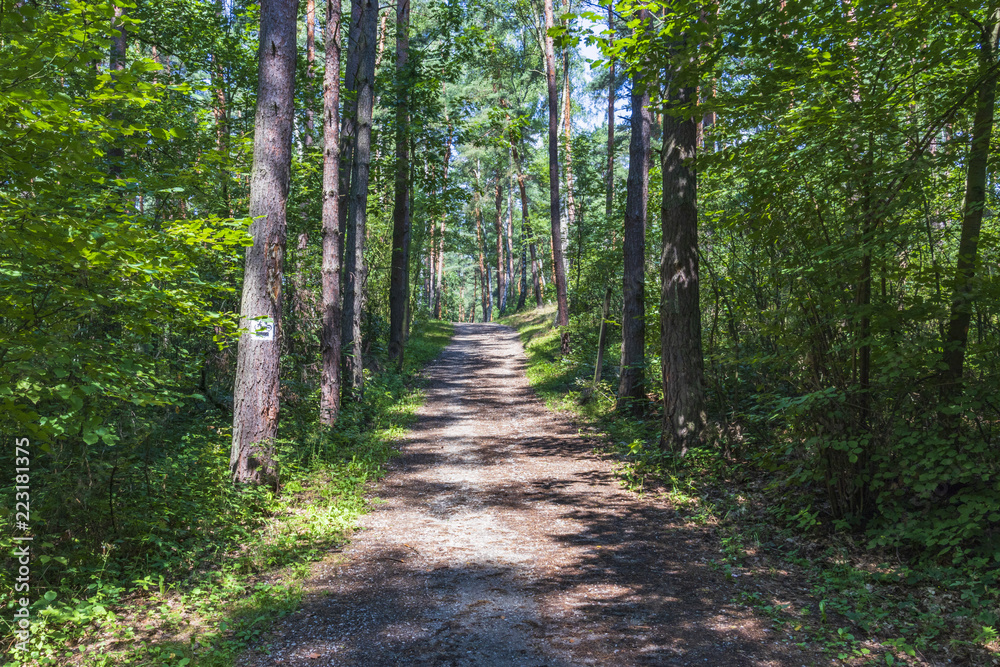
<point>567,114</point>
<point>527,238</point>
<point>255,411</point>
<point>501,282</point>
<point>631,385</point>
<point>559,266</point>
<point>330,271</point>
<point>610,191</point>
<point>439,291</point>
<point>484,273</point>
<point>116,65</point>
<point>975,202</point>
<point>682,363</point>
<point>363,40</point>
<point>399,272</point>
<point>310,70</point>
<point>522,191</point>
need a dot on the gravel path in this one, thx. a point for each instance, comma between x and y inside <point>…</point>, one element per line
<point>504,540</point>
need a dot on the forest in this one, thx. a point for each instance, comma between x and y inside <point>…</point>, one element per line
<point>750,251</point>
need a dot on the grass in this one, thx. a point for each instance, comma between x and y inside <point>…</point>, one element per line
<point>215,566</point>
<point>865,607</point>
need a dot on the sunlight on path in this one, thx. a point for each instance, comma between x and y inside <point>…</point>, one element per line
<point>503,540</point>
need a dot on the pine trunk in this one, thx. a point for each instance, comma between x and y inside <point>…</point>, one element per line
<point>310,70</point>
<point>559,267</point>
<point>631,385</point>
<point>399,278</point>
<point>330,272</point>
<point>480,247</point>
<point>501,284</point>
<point>962,298</point>
<point>680,314</point>
<point>255,410</point>
<point>362,38</point>
<point>609,195</point>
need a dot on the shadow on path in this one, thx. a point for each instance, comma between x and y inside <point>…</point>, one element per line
<point>503,540</point>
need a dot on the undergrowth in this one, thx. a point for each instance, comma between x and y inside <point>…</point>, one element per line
<point>177,566</point>
<point>867,606</point>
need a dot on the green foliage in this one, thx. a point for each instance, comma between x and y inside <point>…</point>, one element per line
<point>764,525</point>
<point>193,558</point>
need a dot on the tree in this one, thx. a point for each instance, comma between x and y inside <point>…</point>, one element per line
<point>362,44</point>
<point>631,385</point>
<point>255,412</point>
<point>501,278</point>
<point>559,268</point>
<point>526,238</point>
<point>962,298</point>
<point>610,191</point>
<point>400,270</point>
<point>332,243</point>
<point>680,309</point>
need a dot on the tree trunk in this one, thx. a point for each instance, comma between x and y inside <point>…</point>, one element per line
<point>431,267</point>
<point>399,273</point>
<point>609,196</point>
<point>481,246</point>
<point>962,298</point>
<point>559,267</point>
<point>527,238</point>
<point>384,21</point>
<point>362,38</point>
<point>568,156</point>
<point>329,405</point>
<point>487,296</point>
<point>509,239</point>
<point>476,277</point>
<point>439,293</point>
<point>631,385</point>
<point>116,65</point>
<point>501,283</point>
<point>255,410</point>
<point>310,69</point>
<point>680,315</point>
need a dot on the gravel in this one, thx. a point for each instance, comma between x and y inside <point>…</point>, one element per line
<point>503,539</point>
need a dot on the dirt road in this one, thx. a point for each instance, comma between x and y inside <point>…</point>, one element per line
<point>504,540</point>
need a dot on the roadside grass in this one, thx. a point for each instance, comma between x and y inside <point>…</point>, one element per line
<point>226,562</point>
<point>861,606</point>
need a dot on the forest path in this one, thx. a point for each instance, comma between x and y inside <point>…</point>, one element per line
<point>504,540</point>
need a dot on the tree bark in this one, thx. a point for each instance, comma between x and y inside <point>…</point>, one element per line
<point>962,299</point>
<point>439,294</point>
<point>559,266</point>
<point>501,283</point>
<point>568,156</point>
<point>509,239</point>
<point>631,385</point>
<point>255,411</point>
<point>526,236</point>
<point>480,246</point>
<point>310,69</point>
<point>332,305</point>
<point>362,38</point>
<point>116,65</point>
<point>431,264</point>
<point>680,315</point>
<point>609,196</point>
<point>399,273</point>
<point>220,114</point>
